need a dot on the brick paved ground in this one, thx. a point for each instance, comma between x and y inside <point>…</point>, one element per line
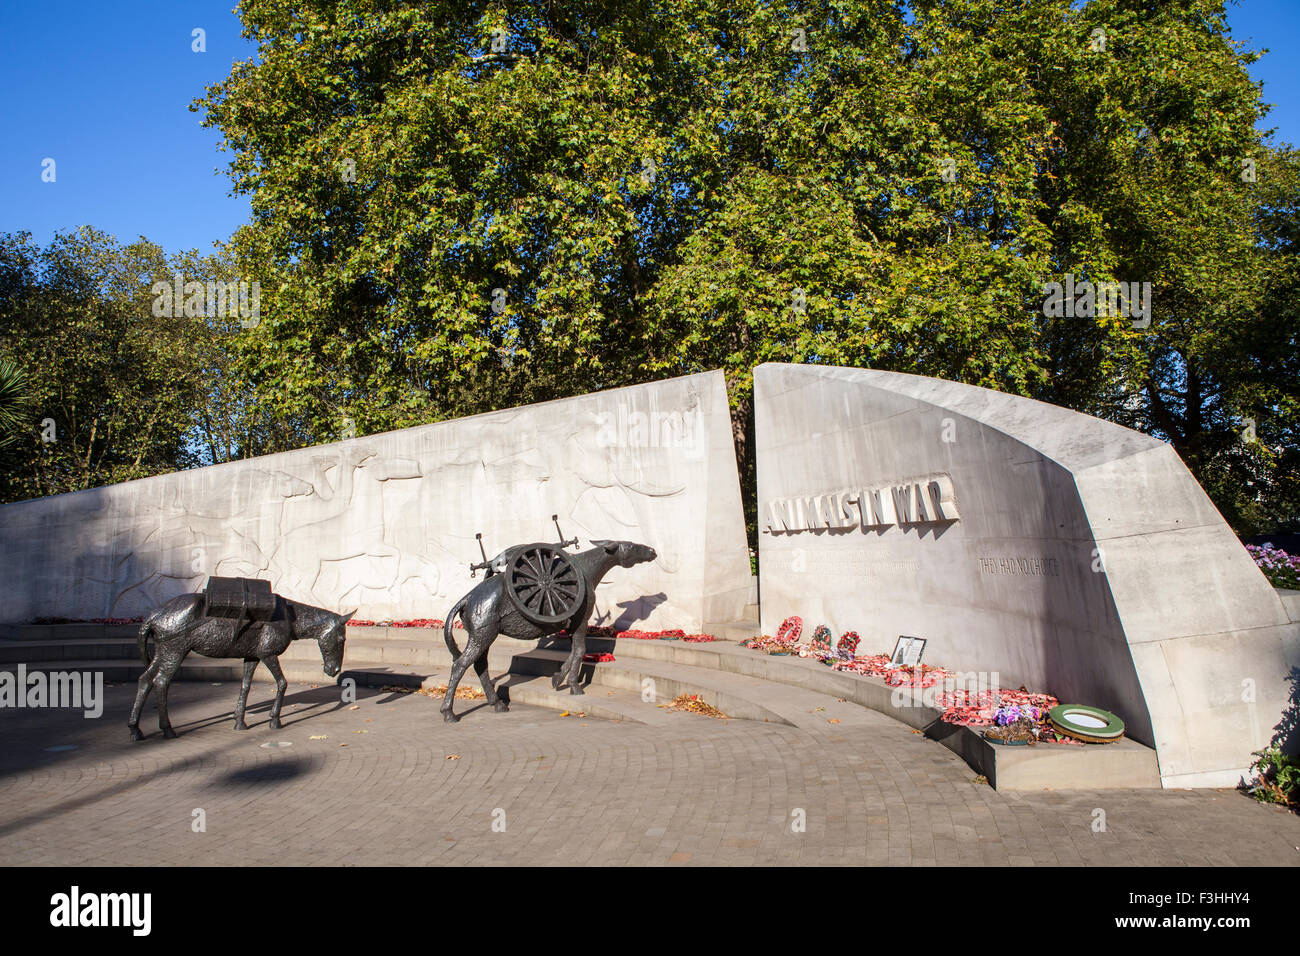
<point>569,790</point>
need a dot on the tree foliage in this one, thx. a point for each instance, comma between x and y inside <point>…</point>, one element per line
<point>459,207</point>
<point>111,391</point>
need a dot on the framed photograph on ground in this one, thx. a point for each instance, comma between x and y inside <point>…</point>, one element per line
<point>908,651</point>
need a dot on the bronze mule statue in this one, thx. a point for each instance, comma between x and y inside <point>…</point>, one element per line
<point>180,626</point>
<point>490,609</point>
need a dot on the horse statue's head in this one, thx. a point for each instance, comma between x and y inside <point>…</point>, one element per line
<point>331,640</point>
<point>627,553</point>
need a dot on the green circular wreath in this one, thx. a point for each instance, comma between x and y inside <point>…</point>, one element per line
<point>1059,716</point>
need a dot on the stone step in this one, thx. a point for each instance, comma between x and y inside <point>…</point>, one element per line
<point>611,692</point>
<point>1123,765</point>
<point>66,632</point>
<point>735,631</point>
<point>740,682</point>
<point>517,688</point>
<point>422,647</point>
<point>115,670</point>
<point>195,668</point>
<point>301,663</point>
<point>741,629</point>
<point>676,667</point>
<point>115,649</point>
<point>1290,601</point>
<point>735,695</point>
<point>606,704</point>
<point>739,696</point>
<point>521,689</point>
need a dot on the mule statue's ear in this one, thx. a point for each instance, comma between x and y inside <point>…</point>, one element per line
<point>611,547</point>
<point>348,615</point>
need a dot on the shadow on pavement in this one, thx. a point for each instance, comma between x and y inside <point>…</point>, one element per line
<point>105,740</point>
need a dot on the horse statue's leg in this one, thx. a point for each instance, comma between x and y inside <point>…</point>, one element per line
<point>481,668</point>
<point>480,638</point>
<point>273,665</point>
<point>167,668</point>
<point>562,672</point>
<point>250,665</point>
<point>143,686</point>
<point>571,669</point>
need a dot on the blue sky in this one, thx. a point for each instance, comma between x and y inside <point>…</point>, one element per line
<point>103,88</point>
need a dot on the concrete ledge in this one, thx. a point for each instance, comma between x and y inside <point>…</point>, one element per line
<point>411,657</point>
<point>105,649</point>
<point>543,663</point>
<point>525,692</point>
<point>66,632</point>
<point>1123,765</point>
<point>1290,601</point>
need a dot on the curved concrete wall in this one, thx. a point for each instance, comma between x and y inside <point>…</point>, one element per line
<point>387,522</point>
<point>1060,551</point>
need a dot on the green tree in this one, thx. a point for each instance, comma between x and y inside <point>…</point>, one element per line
<point>1158,174</point>
<point>460,207</point>
<point>112,386</point>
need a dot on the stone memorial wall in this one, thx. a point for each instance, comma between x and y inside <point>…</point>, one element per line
<point>386,523</point>
<point>1056,550</point>
<point>1017,539</point>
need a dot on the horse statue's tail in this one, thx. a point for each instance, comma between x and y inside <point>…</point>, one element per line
<point>142,639</point>
<point>451,620</point>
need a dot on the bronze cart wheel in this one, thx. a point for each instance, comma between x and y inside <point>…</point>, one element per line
<point>544,584</point>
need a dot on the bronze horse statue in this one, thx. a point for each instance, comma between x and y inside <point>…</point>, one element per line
<point>180,626</point>
<point>487,611</point>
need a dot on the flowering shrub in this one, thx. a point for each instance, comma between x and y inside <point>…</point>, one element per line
<point>1281,569</point>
